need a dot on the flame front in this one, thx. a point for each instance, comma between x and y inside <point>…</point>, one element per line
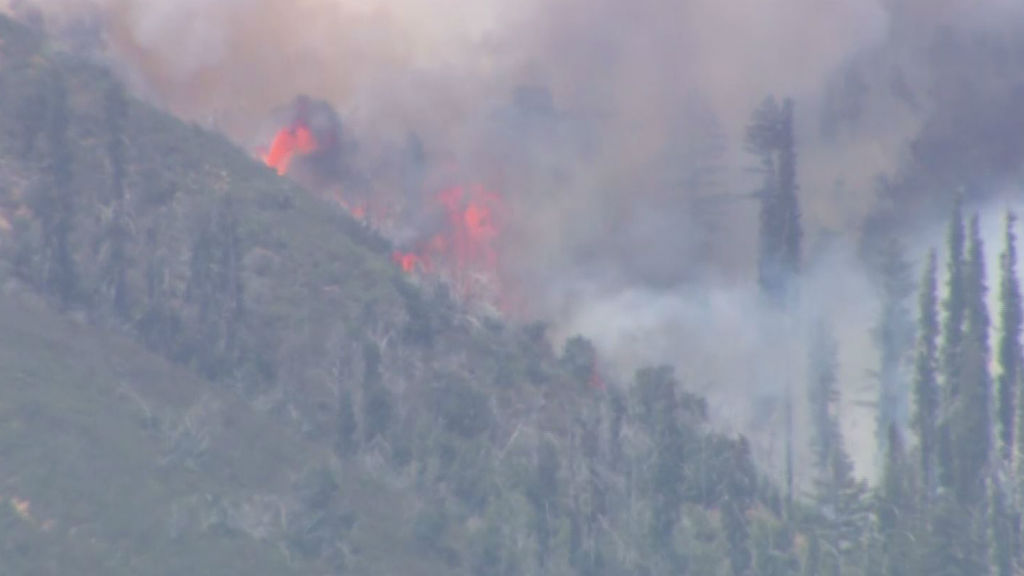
<point>288,142</point>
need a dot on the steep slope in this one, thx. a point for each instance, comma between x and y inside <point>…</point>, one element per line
<point>116,462</point>
<point>243,381</point>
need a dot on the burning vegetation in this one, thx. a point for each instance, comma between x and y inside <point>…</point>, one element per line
<point>459,246</point>
<point>464,252</point>
<point>288,142</point>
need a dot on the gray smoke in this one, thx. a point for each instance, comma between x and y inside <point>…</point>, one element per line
<point>614,132</point>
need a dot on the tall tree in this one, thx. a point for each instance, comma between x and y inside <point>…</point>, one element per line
<point>926,387</point>
<point>894,335</point>
<point>770,138</point>
<point>969,415</point>
<point>838,493</point>
<point>972,420</point>
<point>1009,346</point>
<point>954,309</point>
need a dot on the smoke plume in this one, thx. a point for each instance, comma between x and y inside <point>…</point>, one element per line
<point>613,132</point>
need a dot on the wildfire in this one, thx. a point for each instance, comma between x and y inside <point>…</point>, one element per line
<point>289,141</point>
<point>460,249</point>
<point>464,252</point>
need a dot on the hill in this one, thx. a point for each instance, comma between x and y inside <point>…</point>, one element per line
<point>207,370</point>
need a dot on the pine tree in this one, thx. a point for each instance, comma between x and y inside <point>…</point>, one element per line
<point>792,232</point>
<point>950,354</point>
<point>971,417</point>
<point>926,388</point>
<point>1009,351</point>
<point>839,495</point>
<point>770,137</point>
<point>894,335</point>
<point>958,540</point>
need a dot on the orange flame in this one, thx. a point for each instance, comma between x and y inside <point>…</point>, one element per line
<point>288,142</point>
<point>464,251</point>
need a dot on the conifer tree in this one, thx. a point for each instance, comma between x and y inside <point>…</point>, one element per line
<point>926,388</point>
<point>959,527</point>
<point>972,420</point>
<point>1009,351</point>
<point>954,310</point>
<point>838,493</point>
<point>770,138</point>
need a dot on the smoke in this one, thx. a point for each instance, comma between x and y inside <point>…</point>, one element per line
<point>614,133</point>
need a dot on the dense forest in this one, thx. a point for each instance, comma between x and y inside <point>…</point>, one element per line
<point>204,368</point>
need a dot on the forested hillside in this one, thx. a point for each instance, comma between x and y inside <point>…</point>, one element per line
<point>207,369</point>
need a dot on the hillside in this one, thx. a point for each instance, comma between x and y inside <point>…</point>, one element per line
<point>207,370</point>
